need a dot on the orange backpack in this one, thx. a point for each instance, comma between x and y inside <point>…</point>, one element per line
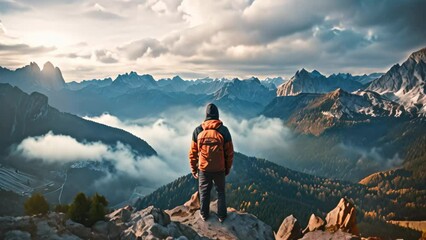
<point>211,150</point>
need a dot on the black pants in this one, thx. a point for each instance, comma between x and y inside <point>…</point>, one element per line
<point>205,183</point>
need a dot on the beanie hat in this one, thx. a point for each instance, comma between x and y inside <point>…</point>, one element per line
<point>212,112</point>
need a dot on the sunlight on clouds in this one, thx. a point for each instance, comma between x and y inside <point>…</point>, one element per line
<point>257,37</point>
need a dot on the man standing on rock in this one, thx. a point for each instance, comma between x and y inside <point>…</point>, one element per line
<point>211,157</point>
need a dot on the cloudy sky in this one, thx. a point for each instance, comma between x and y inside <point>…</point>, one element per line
<point>194,38</point>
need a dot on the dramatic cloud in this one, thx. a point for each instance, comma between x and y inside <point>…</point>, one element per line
<point>145,47</point>
<point>105,56</point>
<point>23,49</point>
<point>220,38</point>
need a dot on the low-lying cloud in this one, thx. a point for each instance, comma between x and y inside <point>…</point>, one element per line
<point>170,134</point>
<point>371,158</point>
<point>51,148</point>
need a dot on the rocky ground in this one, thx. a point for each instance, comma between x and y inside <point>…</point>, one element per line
<point>182,222</point>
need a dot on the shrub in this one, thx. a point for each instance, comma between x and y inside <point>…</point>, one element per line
<point>86,210</point>
<point>97,208</point>
<point>63,208</point>
<point>36,204</point>
<point>79,209</point>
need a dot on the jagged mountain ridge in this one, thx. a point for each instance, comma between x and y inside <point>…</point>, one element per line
<point>250,90</point>
<point>314,82</point>
<point>405,83</point>
<point>315,113</point>
<point>89,83</point>
<point>243,97</point>
<point>31,78</point>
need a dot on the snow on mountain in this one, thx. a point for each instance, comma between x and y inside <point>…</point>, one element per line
<point>272,83</point>
<point>314,113</point>
<point>133,80</point>
<point>176,84</point>
<point>250,90</point>
<point>405,83</point>
<point>206,85</point>
<point>314,82</point>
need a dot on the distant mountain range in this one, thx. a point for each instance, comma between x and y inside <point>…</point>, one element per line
<point>314,82</point>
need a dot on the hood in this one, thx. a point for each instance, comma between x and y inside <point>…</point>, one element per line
<point>211,124</point>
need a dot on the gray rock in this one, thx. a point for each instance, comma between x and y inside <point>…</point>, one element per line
<point>45,231</point>
<point>238,225</point>
<point>325,235</point>
<point>100,227</point>
<point>17,235</point>
<point>78,229</point>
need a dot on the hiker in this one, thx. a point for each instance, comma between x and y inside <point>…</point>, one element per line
<point>211,157</point>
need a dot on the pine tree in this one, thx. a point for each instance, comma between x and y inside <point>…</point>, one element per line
<point>97,208</point>
<point>36,204</point>
<point>79,209</point>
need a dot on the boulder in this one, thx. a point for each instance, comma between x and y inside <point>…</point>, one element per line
<point>315,223</point>
<point>237,225</point>
<point>153,223</point>
<point>45,231</point>
<point>121,214</point>
<point>17,235</point>
<point>290,229</point>
<point>78,229</point>
<point>194,203</point>
<point>342,217</point>
<point>325,235</point>
<point>7,223</point>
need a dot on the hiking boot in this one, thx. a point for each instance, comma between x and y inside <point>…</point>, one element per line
<point>203,217</point>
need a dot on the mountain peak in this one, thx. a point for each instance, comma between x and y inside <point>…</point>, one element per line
<point>419,55</point>
<point>315,73</point>
<point>302,71</point>
<point>34,66</point>
<point>337,93</point>
<point>48,67</point>
<point>177,78</point>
